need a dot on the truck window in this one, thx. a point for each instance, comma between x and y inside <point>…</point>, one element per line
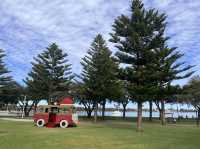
<point>54,110</point>
<point>40,109</point>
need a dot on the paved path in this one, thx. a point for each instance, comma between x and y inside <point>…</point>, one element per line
<point>17,119</point>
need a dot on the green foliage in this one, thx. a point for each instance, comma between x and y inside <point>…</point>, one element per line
<point>4,78</point>
<point>135,36</point>
<point>99,78</point>
<point>100,72</point>
<point>10,94</point>
<point>37,81</point>
<point>150,65</point>
<point>167,68</point>
<point>7,85</point>
<point>192,92</point>
<point>50,77</point>
<point>25,102</point>
<point>81,96</point>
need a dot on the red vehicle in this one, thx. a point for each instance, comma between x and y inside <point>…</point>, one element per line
<point>62,114</point>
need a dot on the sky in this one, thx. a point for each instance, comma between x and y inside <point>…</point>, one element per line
<point>27,27</point>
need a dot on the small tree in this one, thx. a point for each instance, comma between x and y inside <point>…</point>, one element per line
<point>25,103</point>
<point>124,103</point>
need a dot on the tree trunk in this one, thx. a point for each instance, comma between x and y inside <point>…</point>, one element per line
<point>7,109</point>
<point>103,109</point>
<point>163,122</point>
<point>88,108</point>
<point>159,109</point>
<point>160,114</point>
<point>198,117</point>
<point>95,112</point>
<point>28,108</point>
<point>35,108</point>
<point>89,113</point>
<point>150,110</point>
<point>124,111</point>
<point>139,116</point>
<point>26,113</point>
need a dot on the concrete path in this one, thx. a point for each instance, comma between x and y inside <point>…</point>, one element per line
<point>17,119</point>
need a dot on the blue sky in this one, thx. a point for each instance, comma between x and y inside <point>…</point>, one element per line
<point>28,26</point>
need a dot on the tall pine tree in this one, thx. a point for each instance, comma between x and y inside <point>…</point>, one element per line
<point>152,66</point>
<point>99,74</point>
<point>135,37</point>
<point>51,75</point>
<point>166,67</point>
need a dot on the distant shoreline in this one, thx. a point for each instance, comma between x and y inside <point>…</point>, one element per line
<point>135,110</point>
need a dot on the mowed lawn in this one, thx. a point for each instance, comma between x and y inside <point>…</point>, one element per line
<point>108,135</point>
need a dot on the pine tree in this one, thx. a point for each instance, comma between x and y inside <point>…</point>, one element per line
<point>152,66</point>
<point>135,37</point>
<point>167,69</point>
<point>5,79</point>
<point>51,75</point>
<point>7,85</point>
<point>99,74</point>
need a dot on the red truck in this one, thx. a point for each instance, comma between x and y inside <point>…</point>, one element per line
<point>62,114</point>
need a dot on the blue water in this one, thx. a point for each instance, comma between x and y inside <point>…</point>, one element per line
<point>146,114</point>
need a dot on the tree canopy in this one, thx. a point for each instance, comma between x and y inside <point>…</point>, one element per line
<point>51,74</point>
<point>7,84</point>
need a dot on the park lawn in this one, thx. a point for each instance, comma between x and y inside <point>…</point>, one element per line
<point>107,135</point>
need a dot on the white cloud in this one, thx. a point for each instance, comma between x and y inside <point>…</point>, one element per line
<point>183,27</point>
<point>28,26</point>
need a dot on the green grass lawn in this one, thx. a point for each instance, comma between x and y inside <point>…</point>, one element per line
<point>107,135</point>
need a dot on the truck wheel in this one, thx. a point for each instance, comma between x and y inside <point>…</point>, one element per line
<point>40,122</point>
<point>64,124</point>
